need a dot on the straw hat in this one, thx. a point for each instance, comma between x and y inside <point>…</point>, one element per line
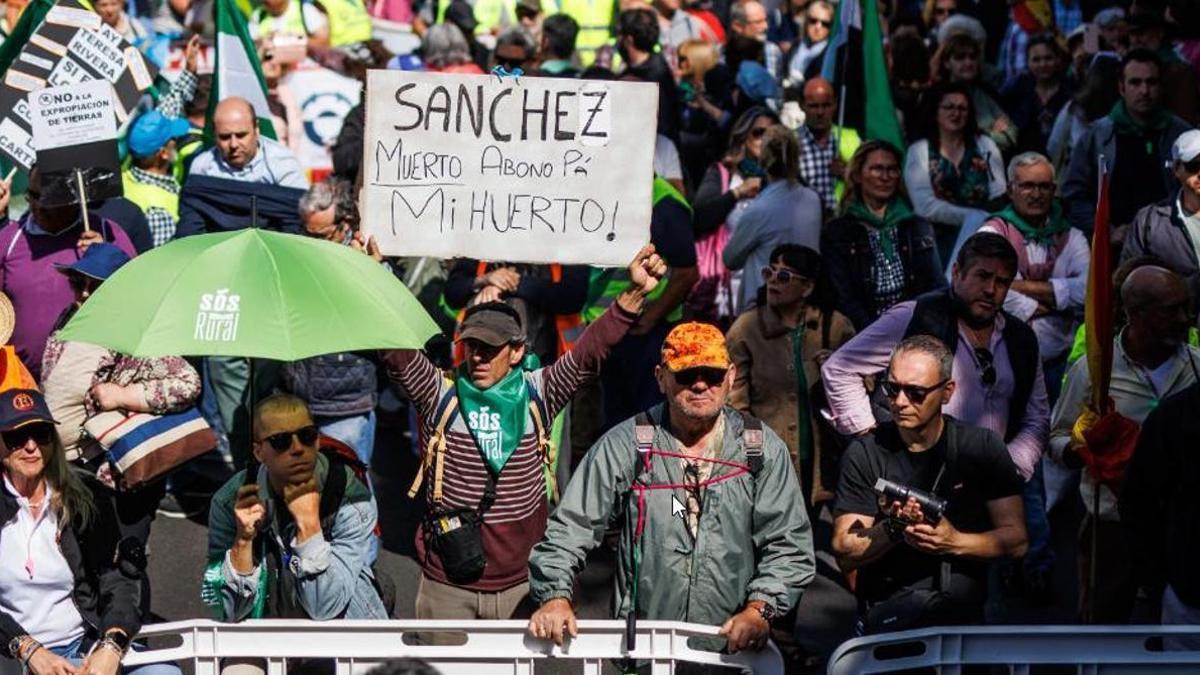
<point>8,319</point>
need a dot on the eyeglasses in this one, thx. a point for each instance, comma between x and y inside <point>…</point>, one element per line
<point>758,132</point>
<point>987,366</point>
<point>1192,166</point>
<point>950,107</point>
<point>712,377</point>
<point>283,440</point>
<point>883,170</point>
<point>914,393</point>
<point>42,434</point>
<point>509,63</point>
<point>1031,187</point>
<point>784,275</point>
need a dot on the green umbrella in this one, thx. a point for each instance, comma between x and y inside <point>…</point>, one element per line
<point>251,293</point>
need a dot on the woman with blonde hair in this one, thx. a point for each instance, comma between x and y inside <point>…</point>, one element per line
<point>878,252</point>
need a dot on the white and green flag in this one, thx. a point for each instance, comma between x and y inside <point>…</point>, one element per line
<point>237,70</point>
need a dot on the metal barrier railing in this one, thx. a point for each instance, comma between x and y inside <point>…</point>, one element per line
<point>1093,650</point>
<point>490,646</point>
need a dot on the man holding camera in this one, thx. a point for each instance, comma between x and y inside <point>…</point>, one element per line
<point>924,501</point>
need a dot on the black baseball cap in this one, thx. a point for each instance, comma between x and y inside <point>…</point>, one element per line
<point>492,323</point>
<point>19,407</point>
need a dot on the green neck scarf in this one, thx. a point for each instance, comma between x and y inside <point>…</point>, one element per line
<point>1055,225</point>
<point>896,211</point>
<point>1124,123</point>
<point>804,425</point>
<point>496,415</point>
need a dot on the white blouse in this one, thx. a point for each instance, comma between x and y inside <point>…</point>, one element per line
<point>36,582</point>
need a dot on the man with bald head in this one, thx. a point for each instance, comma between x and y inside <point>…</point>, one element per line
<point>825,147</point>
<point>1151,362</point>
<point>242,154</point>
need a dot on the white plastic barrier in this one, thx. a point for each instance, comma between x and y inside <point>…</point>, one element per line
<point>491,647</point>
<point>1093,650</point>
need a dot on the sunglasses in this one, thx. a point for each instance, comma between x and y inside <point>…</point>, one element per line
<point>914,393</point>
<point>42,434</point>
<point>712,377</point>
<point>819,22</point>
<point>79,282</point>
<point>987,366</point>
<point>785,276</point>
<point>283,440</point>
<point>758,132</point>
<point>509,64</point>
<point>1192,166</point>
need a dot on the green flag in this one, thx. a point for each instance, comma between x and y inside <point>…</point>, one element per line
<point>237,70</point>
<point>30,19</point>
<point>881,122</point>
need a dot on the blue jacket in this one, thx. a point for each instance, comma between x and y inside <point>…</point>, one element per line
<point>331,577</point>
<point>209,204</point>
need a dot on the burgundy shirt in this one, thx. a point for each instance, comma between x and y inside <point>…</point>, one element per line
<point>517,519</point>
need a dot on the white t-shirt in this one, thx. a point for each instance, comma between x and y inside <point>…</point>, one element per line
<point>36,582</point>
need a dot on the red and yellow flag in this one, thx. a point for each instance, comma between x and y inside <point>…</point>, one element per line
<point>1098,312</point>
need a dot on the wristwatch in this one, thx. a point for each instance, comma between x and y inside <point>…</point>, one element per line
<point>767,612</point>
<point>14,646</point>
<point>117,640</point>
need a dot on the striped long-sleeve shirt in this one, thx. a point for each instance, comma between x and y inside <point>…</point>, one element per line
<point>517,519</point>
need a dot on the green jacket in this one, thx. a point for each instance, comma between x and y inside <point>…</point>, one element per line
<point>754,539</point>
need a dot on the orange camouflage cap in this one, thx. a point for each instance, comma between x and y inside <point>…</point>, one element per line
<point>695,345</point>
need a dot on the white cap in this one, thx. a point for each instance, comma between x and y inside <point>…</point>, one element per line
<point>1186,147</point>
<point>1107,17</point>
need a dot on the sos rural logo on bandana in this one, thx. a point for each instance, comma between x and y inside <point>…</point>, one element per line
<point>217,318</point>
<point>485,426</point>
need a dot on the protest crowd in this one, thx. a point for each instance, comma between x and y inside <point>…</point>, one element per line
<point>911,310</point>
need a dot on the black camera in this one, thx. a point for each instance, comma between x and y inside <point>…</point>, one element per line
<point>932,506</point>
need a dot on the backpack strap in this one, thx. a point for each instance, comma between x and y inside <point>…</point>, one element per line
<point>752,442</point>
<point>332,493</point>
<point>546,449</point>
<point>435,448</point>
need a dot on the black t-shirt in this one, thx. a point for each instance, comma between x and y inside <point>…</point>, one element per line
<point>982,471</point>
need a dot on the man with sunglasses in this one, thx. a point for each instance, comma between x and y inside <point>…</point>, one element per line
<point>894,545</point>
<point>31,247</point>
<point>714,528</point>
<point>996,366</point>
<point>1170,229</point>
<point>282,547</point>
<point>486,473</point>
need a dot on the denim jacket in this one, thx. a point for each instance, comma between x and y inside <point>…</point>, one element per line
<point>332,577</point>
<point>849,265</point>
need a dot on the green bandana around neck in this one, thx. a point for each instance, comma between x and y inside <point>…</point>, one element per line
<point>1055,225</point>
<point>896,211</point>
<point>1124,123</point>
<point>496,415</point>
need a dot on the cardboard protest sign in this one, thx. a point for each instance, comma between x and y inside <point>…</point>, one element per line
<point>71,46</point>
<point>75,129</point>
<point>537,170</point>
